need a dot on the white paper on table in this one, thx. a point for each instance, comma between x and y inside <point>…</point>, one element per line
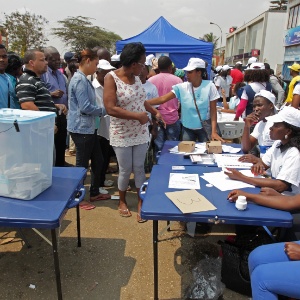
<point>222,182</point>
<point>231,161</point>
<point>190,201</point>
<point>229,149</point>
<point>184,181</point>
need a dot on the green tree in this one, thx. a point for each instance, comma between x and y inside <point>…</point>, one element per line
<point>210,37</point>
<point>25,31</point>
<point>79,33</point>
<point>278,5</point>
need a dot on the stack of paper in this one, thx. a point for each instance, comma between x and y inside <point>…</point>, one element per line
<point>229,149</point>
<point>222,182</point>
<point>184,181</point>
<point>231,161</point>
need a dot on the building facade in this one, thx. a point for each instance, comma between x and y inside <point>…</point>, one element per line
<point>292,37</point>
<point>262,37</point>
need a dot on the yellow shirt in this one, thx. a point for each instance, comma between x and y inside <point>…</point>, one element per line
<point>289,97</point>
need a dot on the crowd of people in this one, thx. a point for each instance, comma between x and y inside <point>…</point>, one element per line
<point>118,103</point>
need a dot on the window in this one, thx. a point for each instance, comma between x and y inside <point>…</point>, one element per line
<point>254,36</point>
<point>294,18</point>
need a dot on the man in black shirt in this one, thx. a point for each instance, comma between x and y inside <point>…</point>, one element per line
<point>31,91</point>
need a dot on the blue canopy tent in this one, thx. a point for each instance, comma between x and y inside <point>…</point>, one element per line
<point>161,38</point>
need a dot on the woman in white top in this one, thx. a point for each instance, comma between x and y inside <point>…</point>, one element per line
<point>263,107</point>
<point>282,158</point>
<point>125,101</point>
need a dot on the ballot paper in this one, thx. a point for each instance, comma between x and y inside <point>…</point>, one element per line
<point>184,181</point>
<point>229,149</point>
<point>222,182</point>
<point>231,161</point>
<point>190,201</point>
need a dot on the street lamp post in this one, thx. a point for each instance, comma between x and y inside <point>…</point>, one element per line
<point>220,30</point>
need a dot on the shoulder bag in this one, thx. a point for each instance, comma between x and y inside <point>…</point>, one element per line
<point>206,124</point>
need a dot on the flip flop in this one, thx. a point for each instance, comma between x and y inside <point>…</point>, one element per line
<point>125,213</point>
<point>87,206</point>
<point>140,220</point>
<point>100,197</point>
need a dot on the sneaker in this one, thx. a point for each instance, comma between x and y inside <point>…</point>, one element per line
<point>108,183</point>
<point>103,191</point>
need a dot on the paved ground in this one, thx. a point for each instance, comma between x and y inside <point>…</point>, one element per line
<point>114,262</point>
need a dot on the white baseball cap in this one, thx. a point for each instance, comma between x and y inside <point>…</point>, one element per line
<point>104,65</point>
<point>256,66</point>
<point>115,57</point>
<point>266,94</point>
<point>288,114</point>
<point>252,60</point>
<point>238,63</point>
<point>149,59</point>
<point>226,68</point>
<point>218,68</point>
<point>195,63</point>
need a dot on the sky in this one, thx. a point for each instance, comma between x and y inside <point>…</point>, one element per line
<point>128,18</point>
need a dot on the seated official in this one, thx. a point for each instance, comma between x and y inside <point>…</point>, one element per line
<point>282,158</point>
<point>274,268</point>
<point>263,106</point>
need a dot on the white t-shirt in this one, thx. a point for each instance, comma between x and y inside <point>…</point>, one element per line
<point>261,132</point>
<point>296,89</point>
<point>223,83</point>
<point>256,86</point>
<point>103,129</point>
<point>284,165</point>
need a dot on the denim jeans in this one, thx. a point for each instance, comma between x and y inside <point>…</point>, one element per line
<point>193,135</point>
<point>88,148</point>
<point>273,273</point>
<point>170,133</point>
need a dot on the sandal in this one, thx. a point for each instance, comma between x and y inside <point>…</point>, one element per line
<point>99,197</point>
<point>139,219</point>
<point>87,206</point>
<point>125,213</point>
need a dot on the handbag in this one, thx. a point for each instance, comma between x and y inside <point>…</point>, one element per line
<point>206,124</point>
<point>235,272</point>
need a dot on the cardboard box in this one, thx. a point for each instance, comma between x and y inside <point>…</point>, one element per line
<point>186,146</point>
<point>214,147</point>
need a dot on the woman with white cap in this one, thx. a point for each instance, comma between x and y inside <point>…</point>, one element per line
<point>197,97</point>
<point>263,106</point>
<point>258,79</point>
<point>282,158</point>
<point>224,81</point>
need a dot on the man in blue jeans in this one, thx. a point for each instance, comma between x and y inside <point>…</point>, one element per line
<point>169,110</point>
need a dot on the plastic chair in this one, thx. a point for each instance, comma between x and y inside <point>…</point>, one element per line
<point>231,130</point>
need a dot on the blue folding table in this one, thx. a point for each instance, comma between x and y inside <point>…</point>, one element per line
<point>48,209</point>
<point>157,206</point>
<point>167,158</point>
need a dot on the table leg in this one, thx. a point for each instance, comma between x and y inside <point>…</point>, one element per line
<point>56,264</point>
<point>168,224</point>
<point>155,258</point>
<point>78,226</point>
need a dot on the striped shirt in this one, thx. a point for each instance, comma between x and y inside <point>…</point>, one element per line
<point>30,88</point>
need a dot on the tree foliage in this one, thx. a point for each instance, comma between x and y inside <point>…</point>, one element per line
<point>278,5</point>
<point>210,37</point>
<point>79,33</point>
<point>25,31</point>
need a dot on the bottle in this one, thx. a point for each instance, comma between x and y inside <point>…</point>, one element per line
<point>241,203</point>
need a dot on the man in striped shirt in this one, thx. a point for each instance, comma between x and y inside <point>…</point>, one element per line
<point>31,91</point>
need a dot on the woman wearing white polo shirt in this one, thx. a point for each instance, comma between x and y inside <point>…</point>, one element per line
<point>263,106</point>
<point>206,96</point>
<point>282,158</point>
